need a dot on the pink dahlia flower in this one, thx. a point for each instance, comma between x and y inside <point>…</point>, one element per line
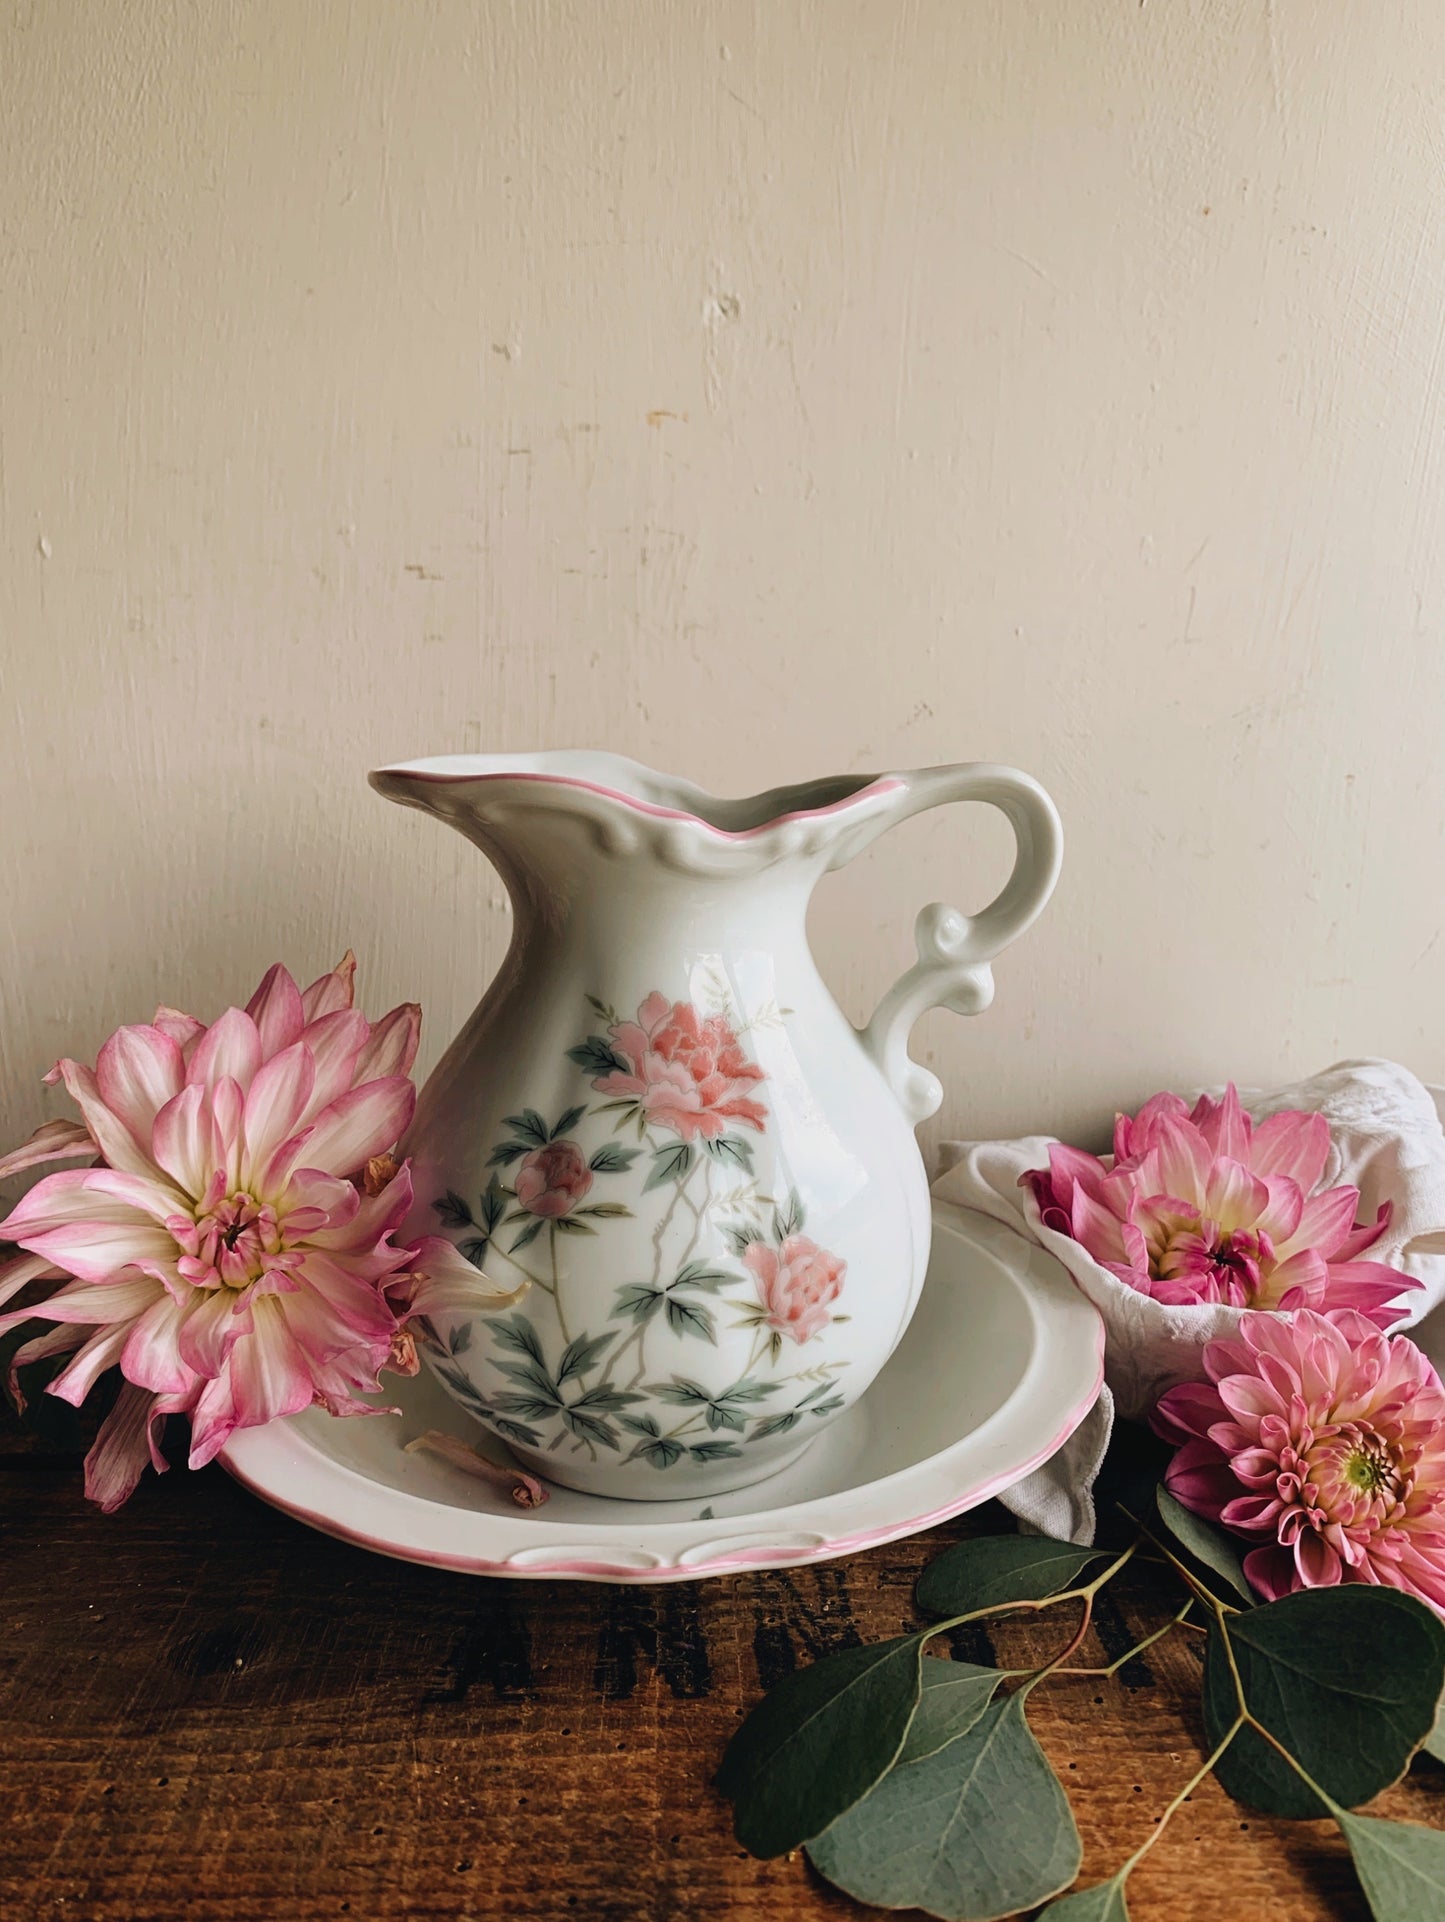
<point>551,1181</point>
<point>797,1284</point>
<point>684,1072</point>
<point>1205,1205</point>
<point>1324,1441</point>
<point>232,1253</point>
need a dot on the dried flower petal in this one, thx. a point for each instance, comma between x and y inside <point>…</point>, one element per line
<point>525,1490</point>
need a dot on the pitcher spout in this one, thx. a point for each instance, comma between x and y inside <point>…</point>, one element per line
<point>511,803</point>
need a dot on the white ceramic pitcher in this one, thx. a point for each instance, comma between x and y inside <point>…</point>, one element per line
<point>660,1116</point>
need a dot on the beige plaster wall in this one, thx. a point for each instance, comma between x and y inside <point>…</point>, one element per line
<point>760,390</point>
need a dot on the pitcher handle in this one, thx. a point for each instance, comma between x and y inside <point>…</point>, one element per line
<point>955,949</point>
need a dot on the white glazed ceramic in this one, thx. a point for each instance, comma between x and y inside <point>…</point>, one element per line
<point>1001,1363</point>
<point>660,1118</point>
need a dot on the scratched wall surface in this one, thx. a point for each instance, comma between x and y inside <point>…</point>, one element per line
<point>760,390</point>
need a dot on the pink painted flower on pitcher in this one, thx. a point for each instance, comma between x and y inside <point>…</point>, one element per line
<point>1205,1205</point>
<point>796,1284</point>
<point>685,1072</point>
<point>1323,1441</point>
<point>552,1180</point>
<point>232,1253</point>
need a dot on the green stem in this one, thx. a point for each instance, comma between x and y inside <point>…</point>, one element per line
<point>1085,1592</point>
<point>1259,1728</point>
<point>1187,1576</point>
<point>1113,1668</point>
<point>1052,1668</point>
<point>1205,1768</point>
<point>556,1285</point>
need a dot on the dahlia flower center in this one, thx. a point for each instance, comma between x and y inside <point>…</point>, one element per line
<point>233,1240</point>
<point>1238,1258</point>
<point>1371,1467</point>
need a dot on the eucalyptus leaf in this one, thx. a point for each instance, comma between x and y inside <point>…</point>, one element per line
<point>954,1696</point>
<point>1347,1678</point>
<point>999,1569</point>
<point>980,1829</point>
<point>1205,1544</point>
<point>1102,1903</point>
<point>818,1742</point>
<point>1401,1867</point>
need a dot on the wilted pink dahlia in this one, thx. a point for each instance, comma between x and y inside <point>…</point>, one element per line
<point>1323,1440</point>
<point>1208,1206</point>
<point>232,1252</point>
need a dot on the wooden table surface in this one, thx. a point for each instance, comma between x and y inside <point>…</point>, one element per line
<point>212,1713</point>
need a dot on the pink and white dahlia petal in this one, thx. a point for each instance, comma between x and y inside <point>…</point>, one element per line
<point>1326,1222</point>
<point>376,1216</point>
<point>100,1349</point>
<point>331,1322</point>
<point>51,1141</point>
<point>183,1029</point>
<point>86,1195</point>
<point>525,1490</point>
<point>230,1049</point>
<point>217,1319</point>
<point>333,990</point>
<point>268,1371</point>
<point>361,1123</point>
<point>276,1009</point>
<point>137,1072</point>
<point>391,1046</point>
<point>1184,1161</point>
<point>20,1271</point>
<point>334,1042</point>
<point>120,1300</point>
<point>439,1280</point>
<point>186,1142</point>
<point>151,1357</point>
<point>117,1145</point>
<point>98,1250</point>
<point>126,1444</point>
<point>1373,1288</point>
<point>228,1107</point>
<point>1365,1234</point>
<point>61,1340</point>
<point>1223,1126</point>
<point>277,1102</point>
<point>1133,1135</point>
<point>1294,1144</point>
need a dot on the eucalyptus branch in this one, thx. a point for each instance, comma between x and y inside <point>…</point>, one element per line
<point>1190,1580</point>
<point>1176,1621</point>
<point>1246,1717</point>
<point>1086,1591</point>
<point>1205,1769</point>
<point>917,1783</point>
<point>1052,1668</point>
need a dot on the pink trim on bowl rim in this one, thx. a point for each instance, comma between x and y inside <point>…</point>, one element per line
<point>882,784</point>
<point>828,1550</point>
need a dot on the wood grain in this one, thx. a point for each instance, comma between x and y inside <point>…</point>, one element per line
<point>213,1713</point>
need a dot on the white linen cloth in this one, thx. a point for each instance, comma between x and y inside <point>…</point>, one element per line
<point>1386,1140</point>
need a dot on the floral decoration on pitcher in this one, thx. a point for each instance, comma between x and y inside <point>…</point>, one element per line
<point>682,1080</point>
